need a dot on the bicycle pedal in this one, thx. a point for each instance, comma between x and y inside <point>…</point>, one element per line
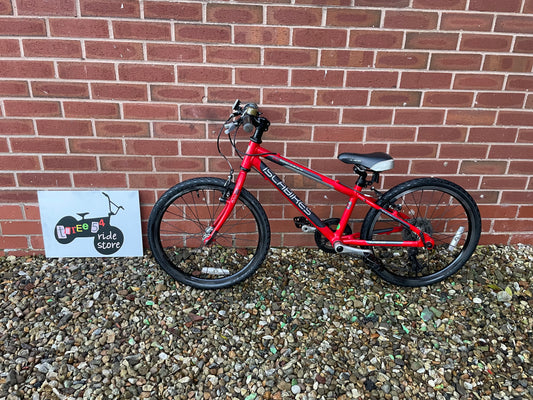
<point>303,224</point>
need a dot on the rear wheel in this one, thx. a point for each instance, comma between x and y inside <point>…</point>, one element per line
<point>185,213</point>
<point>439,208</point>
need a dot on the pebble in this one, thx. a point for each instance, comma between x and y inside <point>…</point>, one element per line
<point>307,325</point>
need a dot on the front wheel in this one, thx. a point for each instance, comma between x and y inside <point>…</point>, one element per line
<point>185,213</point>
<point>439,208</point>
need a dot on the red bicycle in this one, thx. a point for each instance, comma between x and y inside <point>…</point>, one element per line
<point>212,233</point>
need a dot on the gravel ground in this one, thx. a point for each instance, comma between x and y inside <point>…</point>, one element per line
<point>307,325</point>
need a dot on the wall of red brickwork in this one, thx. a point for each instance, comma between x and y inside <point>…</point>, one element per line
<point>99,94</point>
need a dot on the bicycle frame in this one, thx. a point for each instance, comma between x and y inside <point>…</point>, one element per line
<point>253,159</point>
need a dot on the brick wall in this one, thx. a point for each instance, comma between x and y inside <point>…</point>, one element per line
<point>98,94</point>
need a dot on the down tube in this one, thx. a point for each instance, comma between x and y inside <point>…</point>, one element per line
<point>290,195</point>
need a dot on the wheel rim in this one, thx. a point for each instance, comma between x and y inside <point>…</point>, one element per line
<point>185,221</point>
<point>435,211</point>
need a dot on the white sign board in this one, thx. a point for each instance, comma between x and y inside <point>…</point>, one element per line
<point>91,223</point>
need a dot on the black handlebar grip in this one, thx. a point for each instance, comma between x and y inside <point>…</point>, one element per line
<point>247,125</point>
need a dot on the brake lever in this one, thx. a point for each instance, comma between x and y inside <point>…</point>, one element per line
<point>230,127</point>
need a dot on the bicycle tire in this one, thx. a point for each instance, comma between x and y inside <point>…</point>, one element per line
<point>440,208</point>
<point>180,218</point>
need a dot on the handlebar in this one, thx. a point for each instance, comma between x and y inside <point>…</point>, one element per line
<point>249,117</point>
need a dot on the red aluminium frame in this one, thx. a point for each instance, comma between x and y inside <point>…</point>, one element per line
<point>252,159</point>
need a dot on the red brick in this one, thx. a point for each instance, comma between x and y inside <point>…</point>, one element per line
<point>228,94</point>
<point>419,117</point>
<point>314,115</point>
<point>383,3</point>
<point>347,58</point>
<point>85,70</point>
<point>9,211</point>
<point>204,74</point>
<point>141,30</point>
<point>69,163</point>
<point>350,17</point>
<point>402,59</point>
<point>5,7</point>
<point>431,41</point>
<point>13,242</point>
<point>7,180</point>
<point>95,146</point>
<point>434,167</point>
<point>440,4</point>
<point>376,39</point>
<point>412,150</point>
<point>483,167</point>
<point>79,27</point>
<point>525,136</point>
<point>411,20</point>
<point>390,134</point>
<point>495,5</point>
<point>174,52</point>
<point>441,134</point>
<point>234,55</point>
<point>151,180</point>
<point>38,145</point>
<point>488,135</point>
<point>203,33</point>
<point>44,179</point>
<point>262,76</point>
<point>52,48</point>
<point>470,117</point>
<point>110,8</point>
<point>179,93</point>
<point>122,129</point>
<point>448,99</point>
<point>287,16</point>
<point>458,62</point>
<point>486,42</point>
<point>512,225</point>
<point>179,130</point>
<point>423,80</point>
<point>521,167</point>
<point>500,100</point>
<point>31,108</point>
<point>515,118</point>
<point>21,228</point>
<point>373,79</point>
<point>525,212</point>
<point>514,151</point>
<point>63,127</point>
<point>114,50</point>
<point>523,45</point>
<point>9,48</point>
<point>463,151</point>
<point>175,11</point>
<point>179,164</point>
<point>152,147</point>
<point>315,37</point>
<point>519,82</point>
<point>300,133</point>
<point>310,149</point>
<point>496,182</point>
<point>394,98</point>
<point>322,78</point>
<point>118,91</point>
<point>16,127</point>
<point>365,116</point>
<point>203,112</point>
<point>13,89</point>
<point>22,27</point>
<point>200,148</point>
<point>293,56</point>
<point>19,163</point>
<point>99,179</point>
<point>508,63</point>
<point>87,109</point>
<point>466,21</point>
<point>288,96</point>
<point>234,13</point>
<point>125,163</point>
<point>60,89</point>
<point>514,24</point>
<point>146,72</point>
<point>26,69</point>
<point>261,35</point>
<point>528,7</point>
<point>479,81</point>
<point>150,111</point>
<point>49,7</point>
